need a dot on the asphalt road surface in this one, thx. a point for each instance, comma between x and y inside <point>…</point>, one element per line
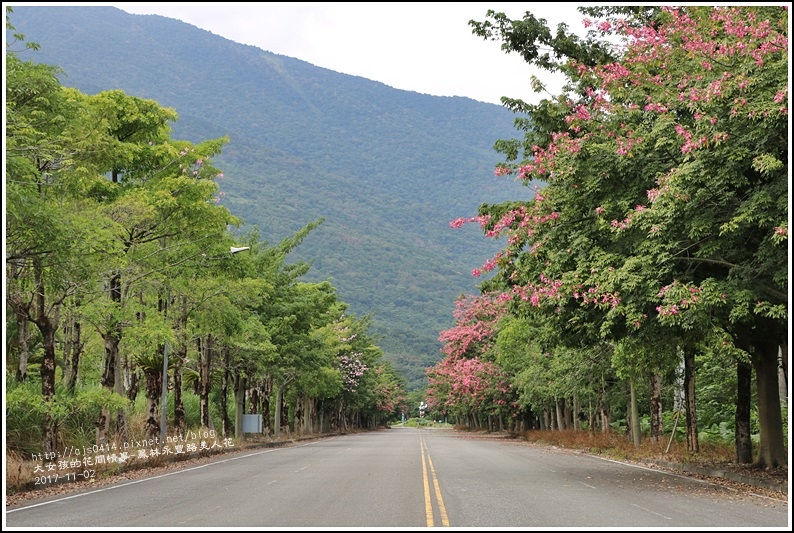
<point>407,478</point>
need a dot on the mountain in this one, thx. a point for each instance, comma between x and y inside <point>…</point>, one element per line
<point>386,169</point>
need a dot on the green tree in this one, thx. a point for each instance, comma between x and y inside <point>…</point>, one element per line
<point>655,175</point>
<point>56,244</point>
<point>162,201</point>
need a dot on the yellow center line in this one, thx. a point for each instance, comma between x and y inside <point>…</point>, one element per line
<point>441,507</point>
<point>428,503</point>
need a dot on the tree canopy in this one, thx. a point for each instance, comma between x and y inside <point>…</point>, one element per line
<point>661,177</point>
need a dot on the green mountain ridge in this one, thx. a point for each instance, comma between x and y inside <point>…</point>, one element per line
<point>386,169</point>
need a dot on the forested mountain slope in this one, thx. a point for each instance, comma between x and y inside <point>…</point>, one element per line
<point>386,169</point>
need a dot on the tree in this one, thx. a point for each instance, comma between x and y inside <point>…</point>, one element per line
<point>654,174</point>
<point>55,242</point>
<point>467,382</point>
<point>162,197</point>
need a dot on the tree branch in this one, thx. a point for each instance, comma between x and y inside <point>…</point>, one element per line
<point>767,289</point>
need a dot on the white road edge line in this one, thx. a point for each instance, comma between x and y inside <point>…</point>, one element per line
<point>651,512</point>
<point>706,482</point>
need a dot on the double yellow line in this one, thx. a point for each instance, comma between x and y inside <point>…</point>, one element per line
<point>426,462</point>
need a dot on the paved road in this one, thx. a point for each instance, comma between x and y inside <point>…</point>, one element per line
<point>409,478</point>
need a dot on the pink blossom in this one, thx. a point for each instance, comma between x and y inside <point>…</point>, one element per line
<point>459,222</point>
<point>582,113</point>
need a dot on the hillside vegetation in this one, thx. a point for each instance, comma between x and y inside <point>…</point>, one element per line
<point>386,169</point>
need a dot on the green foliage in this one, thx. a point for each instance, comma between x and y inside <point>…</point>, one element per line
<point>75,414</point>
<point>660,223</point>
<point>119,227</point>
<point>386,169</point>
<point>417,422</point>
<point>721,433</point>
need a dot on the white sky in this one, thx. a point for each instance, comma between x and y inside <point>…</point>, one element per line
<point>427,47</point>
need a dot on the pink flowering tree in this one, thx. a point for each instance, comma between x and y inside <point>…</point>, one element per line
<point>471,390</point>
<point>476,319</point>
<point>388,390</point>
<point>352,369</point>
<point>663,161</point>
<point>371,389</point>
<point>467,383</point>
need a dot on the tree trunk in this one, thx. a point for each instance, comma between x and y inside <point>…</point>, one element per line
<point>49,430</point>
<point>591,417</point>
<point>240,385</point>
<point>126,385</point>
<point>225,422</point>
<point>277,410</point>
<point>560,416</point>
<point>782,359</point>
<point>266,392</point>
<point>48,326</point>
<point>635,414</point>
<point>68,345</point>
<point>657,425</point>
<point>179,406</point>
<point>308,416</point>
<point>692,444</point>
<point>24,336</point>
<point>126,381</point>
<point>205,381</point>
<point>744,444</point>
<point>108,380</point>
<point>285,413</point>
<point>604,421</point>
<point>72,347</point>
<point>72,355</point>
<point>602,408</point>
<point>577,422</point>
<point>111,338</point>
<point>771,450</point>
<point>154,387</point>
<point>298,415</point>
<point>253,400</point>
<point>529,419</point>
<point>131,380</point>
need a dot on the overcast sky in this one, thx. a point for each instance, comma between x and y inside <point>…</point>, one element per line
<point>427,47</point>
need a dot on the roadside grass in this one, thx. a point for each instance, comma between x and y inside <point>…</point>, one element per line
<point>24,474</point>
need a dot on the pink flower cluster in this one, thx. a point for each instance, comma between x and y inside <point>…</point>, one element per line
<point>593,295</point>
<point>677,297</point>
<point>467,384</point>
<point>475,323</point>
<point>352,369</point>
